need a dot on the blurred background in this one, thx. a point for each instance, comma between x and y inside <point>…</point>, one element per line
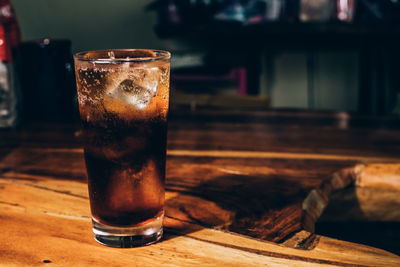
<point>308,54</point>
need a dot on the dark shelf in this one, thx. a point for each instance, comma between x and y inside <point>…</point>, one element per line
<point>289,33</point>
<point>377,45</point>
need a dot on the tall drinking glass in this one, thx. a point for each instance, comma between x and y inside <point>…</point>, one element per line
<point>123,102</point>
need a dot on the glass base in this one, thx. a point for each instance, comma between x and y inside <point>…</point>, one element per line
<point>128,237</point>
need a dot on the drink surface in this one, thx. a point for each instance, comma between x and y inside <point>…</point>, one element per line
<point>123,110</point>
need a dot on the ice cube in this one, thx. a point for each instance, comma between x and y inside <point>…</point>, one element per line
<point>138,88</point>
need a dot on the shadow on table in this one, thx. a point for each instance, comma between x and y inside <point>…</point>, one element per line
<point>270,208</point>
<point>266,207</point>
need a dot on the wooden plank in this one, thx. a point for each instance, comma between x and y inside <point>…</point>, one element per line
<point>230,176</point>
<point>56,229</point>
<point>269,131</point>
<point>247,154</point>
<point>261,198</point>
<point>266,198</point>
<point>277,155</point>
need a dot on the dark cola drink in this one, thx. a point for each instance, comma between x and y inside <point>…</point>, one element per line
<point>123,101</point>
<point>126,170</point>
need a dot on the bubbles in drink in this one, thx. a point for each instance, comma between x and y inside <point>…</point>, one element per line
<point>133,188</point>
<point>164,76</point>
<point>122,190</point>
<point>151,187</point>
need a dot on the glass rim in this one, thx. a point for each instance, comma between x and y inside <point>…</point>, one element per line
<point>160,55</point>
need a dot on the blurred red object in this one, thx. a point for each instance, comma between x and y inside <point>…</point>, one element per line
<point>9,21</point>
<point>10,37</point>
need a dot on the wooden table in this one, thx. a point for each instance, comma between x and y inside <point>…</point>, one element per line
<point>244,188</point>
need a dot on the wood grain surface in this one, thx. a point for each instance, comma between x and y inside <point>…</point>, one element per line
<point>244,188</point>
